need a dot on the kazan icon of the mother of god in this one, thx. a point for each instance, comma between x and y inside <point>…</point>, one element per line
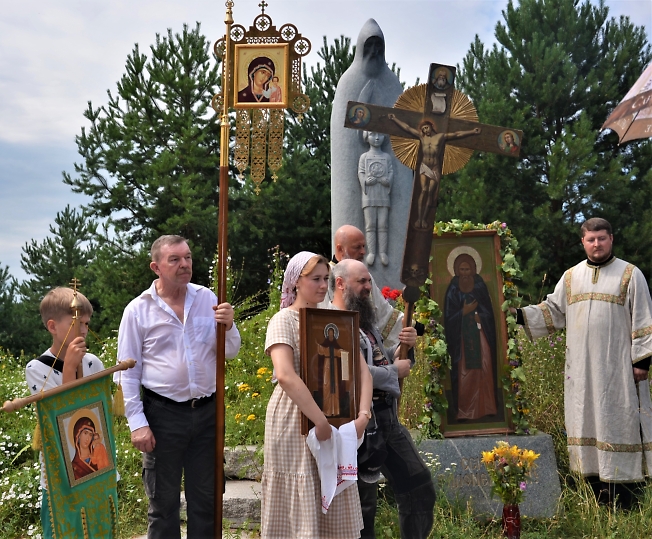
<point>263,84</point>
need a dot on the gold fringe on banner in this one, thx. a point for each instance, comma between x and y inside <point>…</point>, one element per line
<point>114,517</point>
<point>258,146</point>
<point>37,442</point>
<point>407,149</point>
<point>84,522</point>
<point>275,144</point>
<point>118,402</point>
<point>242,134</point>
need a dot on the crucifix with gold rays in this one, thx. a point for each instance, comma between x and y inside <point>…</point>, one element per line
<point>433,129</point>
<point>261,77</point>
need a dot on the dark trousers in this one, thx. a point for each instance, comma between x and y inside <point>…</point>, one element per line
<point>624,495</point>
<point>185,440</point>
<point>408,476</point>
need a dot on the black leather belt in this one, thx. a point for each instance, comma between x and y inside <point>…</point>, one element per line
<point>192,403</point>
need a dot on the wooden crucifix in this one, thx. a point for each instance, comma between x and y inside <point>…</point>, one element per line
<point>432,127</point>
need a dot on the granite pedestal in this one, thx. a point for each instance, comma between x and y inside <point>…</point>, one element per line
<point>468,481</point>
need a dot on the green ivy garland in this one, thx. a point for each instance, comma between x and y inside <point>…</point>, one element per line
<point>433,343</point>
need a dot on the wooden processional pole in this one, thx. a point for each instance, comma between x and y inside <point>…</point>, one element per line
<point>222,246</point>
<point>258,140</point>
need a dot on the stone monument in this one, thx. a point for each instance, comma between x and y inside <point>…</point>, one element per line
<point>368,80</point>
<point>463,477</point>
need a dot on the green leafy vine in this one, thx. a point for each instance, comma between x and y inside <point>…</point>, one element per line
<point>433,343</point>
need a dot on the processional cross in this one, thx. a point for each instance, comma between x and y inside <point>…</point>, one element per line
<point>434,129</point>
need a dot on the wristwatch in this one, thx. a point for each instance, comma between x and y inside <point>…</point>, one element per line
<point>365,412</point>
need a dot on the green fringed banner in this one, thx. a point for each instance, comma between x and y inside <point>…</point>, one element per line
<point>79,452</point>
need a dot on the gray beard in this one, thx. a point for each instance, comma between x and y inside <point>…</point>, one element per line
<point>364,308</point>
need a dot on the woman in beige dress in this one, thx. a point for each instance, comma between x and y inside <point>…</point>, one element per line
<point>291,504</point>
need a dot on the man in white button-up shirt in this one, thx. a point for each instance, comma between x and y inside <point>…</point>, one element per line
<point>170,330</point>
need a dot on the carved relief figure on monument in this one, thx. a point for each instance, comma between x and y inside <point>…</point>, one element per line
<point>376,173</point>
<point>432,149</point>
<point>471,338</point>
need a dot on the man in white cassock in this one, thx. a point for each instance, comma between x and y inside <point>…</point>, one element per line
<point>604,304</point>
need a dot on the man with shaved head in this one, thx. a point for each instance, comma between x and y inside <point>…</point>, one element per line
<point>350,245</point>
<point>403,468</point>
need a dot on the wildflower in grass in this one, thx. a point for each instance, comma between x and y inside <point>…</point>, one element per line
<point>254,395</point>
<point>238,416</point>
<point>244,387</point>
<point>262,370</point>
<point>251,417</point>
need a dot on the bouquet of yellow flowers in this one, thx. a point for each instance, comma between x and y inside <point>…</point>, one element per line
<point>509,468</point>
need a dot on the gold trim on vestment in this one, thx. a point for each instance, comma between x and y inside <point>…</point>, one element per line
<point>641,332</point>
<point>596,269</point>
<point>526,326</point>
<point>613,259</point>
<point>547,317</point>
<point>598,296</point>
<point>641,358</point>
<point>610,447</point>
<point>390,324</point>
<point>567,284</point>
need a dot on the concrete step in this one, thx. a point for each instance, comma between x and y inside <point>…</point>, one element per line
<point>241,504</point>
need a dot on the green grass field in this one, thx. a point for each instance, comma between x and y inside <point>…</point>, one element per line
<point>249,388</point>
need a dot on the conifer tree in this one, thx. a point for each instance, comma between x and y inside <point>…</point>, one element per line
<point>60,256</point>
<point>559,69</point>
<point>9,312</point>
<point>65,253</point>
<point>151,154</point>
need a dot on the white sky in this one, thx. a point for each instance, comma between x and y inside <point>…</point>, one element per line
<point>56,56</point>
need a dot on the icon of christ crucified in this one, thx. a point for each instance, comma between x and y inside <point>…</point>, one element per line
<point>428,119</point>
<point>432,153</point>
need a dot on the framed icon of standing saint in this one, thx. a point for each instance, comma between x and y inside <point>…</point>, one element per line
<point>330,356</point>
<point>468,287</point>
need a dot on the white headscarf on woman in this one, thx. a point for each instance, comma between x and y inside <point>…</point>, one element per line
<point>292,274</point>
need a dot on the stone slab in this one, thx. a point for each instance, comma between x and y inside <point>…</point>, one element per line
<point>243,462</point>
<point>241,502</point>
<point>467,479</point>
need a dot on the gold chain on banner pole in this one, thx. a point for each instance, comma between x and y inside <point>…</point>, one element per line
<point>258,146</point>
<point>242,135</point>
<point>275,142</point>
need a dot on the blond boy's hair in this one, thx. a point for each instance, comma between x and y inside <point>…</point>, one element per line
<point>56,304</point>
